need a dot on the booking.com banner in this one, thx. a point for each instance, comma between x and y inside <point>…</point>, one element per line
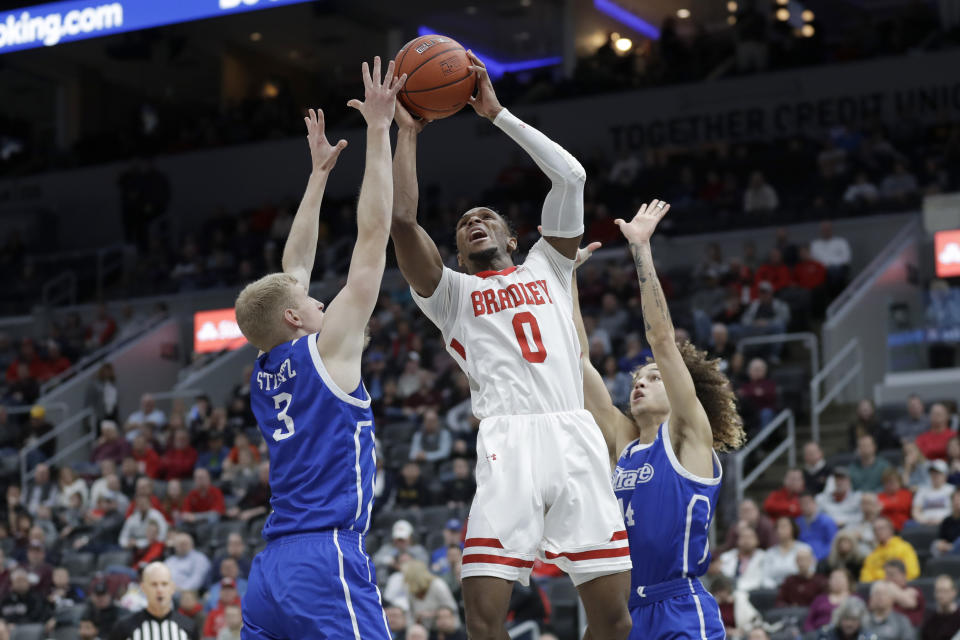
<point>47,25</point>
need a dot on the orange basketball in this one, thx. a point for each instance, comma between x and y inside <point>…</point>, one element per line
<point>439,80</point>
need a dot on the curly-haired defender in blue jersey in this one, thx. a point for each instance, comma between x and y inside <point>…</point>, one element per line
<point>666,475</point>
<point>314,579</point>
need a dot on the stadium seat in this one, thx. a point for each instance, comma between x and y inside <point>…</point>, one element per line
<point>763,599</point>
<point>863,590</point>
<point>893,456</point>
<point>890,413</point>
<point>842,459</point>
<point>925,585</point>
<point>433,540</point>
<point>255,528</point>
<point>65,633</point>
<point>28,632</point>
<point>949,565</point>
<point>119,558</point>
<point>78,564</point>
<point>398,432</point>
<point>399,454</point>
<point>789,615</point>
<point>224,528</point>
<point>920,537</point>
<point>434,518</point>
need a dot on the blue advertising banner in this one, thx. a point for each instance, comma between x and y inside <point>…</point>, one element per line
<point>47,25</point>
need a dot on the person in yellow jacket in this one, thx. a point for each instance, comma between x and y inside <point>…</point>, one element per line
<point>888,547</point>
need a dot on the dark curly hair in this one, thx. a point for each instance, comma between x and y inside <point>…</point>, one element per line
<point>716,395</point>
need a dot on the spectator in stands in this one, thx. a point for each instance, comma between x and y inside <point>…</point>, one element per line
<point>55,363</point>
<point>867,422</point>
<point>427,593</point>
<point>227,568</point>
<point>39,571</point>
<point>780,560</point>
<point>452,531</point>
<point>870,510</point>
<point>861,192</point>
<point>889,547</point>
<point>172,502</point>
<point>411,490</point>
<point>900,184</point>
<point>817,529</point>
<point>236,551</point>
<point>883,622</point>
<point>907,599</point>
<point>188,567</point>
<point>866,472</point>
<point>915,471</point>
<point>145,487</point>
<point>153,549</point>
<point>68,485</point>
<point>241,441</point>
<point>42,490</point>
<point>915,422</point>
<point>748,513</point>
<point>37,428</point>
<point>896,501</point>
<point>839,589</point>
<point>943,623</point>
<point>851,617</point>
<point>931,505</point>
<point>25,389</point>
<point>613,317</point>
<point>4,575</point>
<point>842,504</point>
<point>785,501</point>
<point>129,476</point>
<point>949,531</point>
<point>396,619</point>
<point>216,618</point>
<point>446,625</point>
<point>23,605</point>
<point>29,358</point>
<point>801,588</point>
<point>102,394</point>
<point>816,473</point>
<point>933,443</point>
<point>745,563</point>
<point>758,396</point>
<point>256,499</point>
<point>148,462</point>
<point>720,345</point>
<point>774,271</point>
<point>432,442</point>
<point>134,532</point>
<point>833,252</point>
<point>100,609</point>
<point>110,446</point>
<point>735,609</point>
<point>180,459</point>
<point>417,632</point>
<point>204,503</point>
<point>148,412</point>
<point>766,316</point>
<point>459,490</point>
<point>232,623</point>
<point>759,197</point>
<point>401,542</point>
<point>191,607</point>
<point>102,525</point>
<point>215,455</point>
<point>953,461</point>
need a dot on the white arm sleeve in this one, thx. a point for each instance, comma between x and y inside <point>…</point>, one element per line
<point>563,208</point>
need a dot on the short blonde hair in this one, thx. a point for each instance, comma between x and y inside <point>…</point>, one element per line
<point>417,577</point>
<point>260,307</point>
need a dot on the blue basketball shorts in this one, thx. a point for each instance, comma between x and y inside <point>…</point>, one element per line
<point>314,585</point>
<point>677,612</point>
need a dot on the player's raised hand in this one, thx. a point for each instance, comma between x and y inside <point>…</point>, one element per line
<point>485,102</point>
<point>584,253</point>
<point>641,228</point>
<point>407,122</point>
<point>322,153</point>
<point>380,94</point>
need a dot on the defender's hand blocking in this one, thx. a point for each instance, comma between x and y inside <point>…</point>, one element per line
<point>641,228</point>
<point>485,102</point>
<point>380,98</point>
<point>406,122</point>
<point>322,153</point>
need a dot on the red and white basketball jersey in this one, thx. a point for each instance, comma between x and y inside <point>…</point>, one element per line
<point>512,333</point>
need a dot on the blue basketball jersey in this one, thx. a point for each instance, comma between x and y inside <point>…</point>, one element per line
<point>667,512</point>
<point>322,458</point>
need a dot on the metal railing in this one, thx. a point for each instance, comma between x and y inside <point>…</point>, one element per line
<point>851,353</point>
<point>62,453</point>
<point>59,407</point>
<point>60,289</point>
<point>809,340</point>
<point>789,444</point>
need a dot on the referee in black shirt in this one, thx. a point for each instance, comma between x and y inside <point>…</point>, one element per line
<point>158,621</point>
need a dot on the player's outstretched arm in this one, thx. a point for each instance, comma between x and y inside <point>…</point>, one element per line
<point>614,426</point>
<point>342,337</point>
<point>417,254</point>
<point>689,426</point>
<point>301,247</point>
<point>562,216</point>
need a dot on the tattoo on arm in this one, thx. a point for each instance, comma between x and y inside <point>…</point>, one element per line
<point>651,293</point>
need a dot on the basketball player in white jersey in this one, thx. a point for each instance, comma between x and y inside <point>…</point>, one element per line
<point>542,490</point>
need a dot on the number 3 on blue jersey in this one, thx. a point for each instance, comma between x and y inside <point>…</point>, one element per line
<point>627,515</point>
<point>283,399</point>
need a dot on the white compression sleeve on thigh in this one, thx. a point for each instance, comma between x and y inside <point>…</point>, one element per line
<point>563,208</point>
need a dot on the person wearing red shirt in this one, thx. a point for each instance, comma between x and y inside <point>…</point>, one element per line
<point>55,362</point>
<point>147,459</point>
<point>204,501</point>
<point>933,442</point>
<point>180,459</point>
<point>27,356</point>
<point>228,597</point>
<point>808,273</point>
<point>153,551</point>
<point>774,271</point>
<point>785,501</point>
<point>240,442</point>
<point>895,500</point>
<point>144,487</point>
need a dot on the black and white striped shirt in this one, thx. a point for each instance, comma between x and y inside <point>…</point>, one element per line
<point>144,626</point>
